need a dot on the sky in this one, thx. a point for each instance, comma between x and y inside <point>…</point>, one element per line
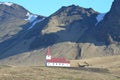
<point>48,7</point>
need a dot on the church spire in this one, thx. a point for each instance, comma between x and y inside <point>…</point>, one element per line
<point>48,55</point>
<point>48,51</point>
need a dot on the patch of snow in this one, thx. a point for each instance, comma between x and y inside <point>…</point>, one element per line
<point>7,3</point>
<point>37,21</point>
<point>31,17</point>
<point>100,17</point>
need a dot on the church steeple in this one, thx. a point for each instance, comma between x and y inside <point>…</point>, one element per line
<point>48,55</point>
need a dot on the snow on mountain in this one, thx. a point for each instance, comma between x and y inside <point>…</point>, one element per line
<point>31,17</point>
<point>100,17</point>
<point>7,3</point>
<point>35,22</point>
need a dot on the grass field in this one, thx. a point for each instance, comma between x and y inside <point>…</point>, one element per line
<point>108,68</point>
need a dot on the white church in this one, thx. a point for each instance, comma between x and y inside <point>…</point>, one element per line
<point>58,62</point>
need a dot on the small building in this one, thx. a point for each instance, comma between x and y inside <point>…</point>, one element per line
<point>58,62</point>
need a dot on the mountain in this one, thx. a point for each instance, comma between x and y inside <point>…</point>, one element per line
<point>108,29</point>
<point>11,19</point>
<point>72,32</point>
<point>65,24</point>
<point>14,20</point>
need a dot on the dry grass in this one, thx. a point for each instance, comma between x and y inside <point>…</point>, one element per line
<point>108,61</point>
<point>98,70</point>
<point>52,73</point>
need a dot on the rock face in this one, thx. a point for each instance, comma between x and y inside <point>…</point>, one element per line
<point>108,30</point>
<point>72,32</point>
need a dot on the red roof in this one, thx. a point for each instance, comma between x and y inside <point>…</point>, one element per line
<point>58,60</point>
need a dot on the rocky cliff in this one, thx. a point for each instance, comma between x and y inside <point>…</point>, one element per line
<point>108,30</point>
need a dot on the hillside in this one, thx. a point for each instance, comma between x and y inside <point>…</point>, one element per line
<point>106,68</point>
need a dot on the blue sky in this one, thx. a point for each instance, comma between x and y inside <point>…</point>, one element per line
<point>47,7</point>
